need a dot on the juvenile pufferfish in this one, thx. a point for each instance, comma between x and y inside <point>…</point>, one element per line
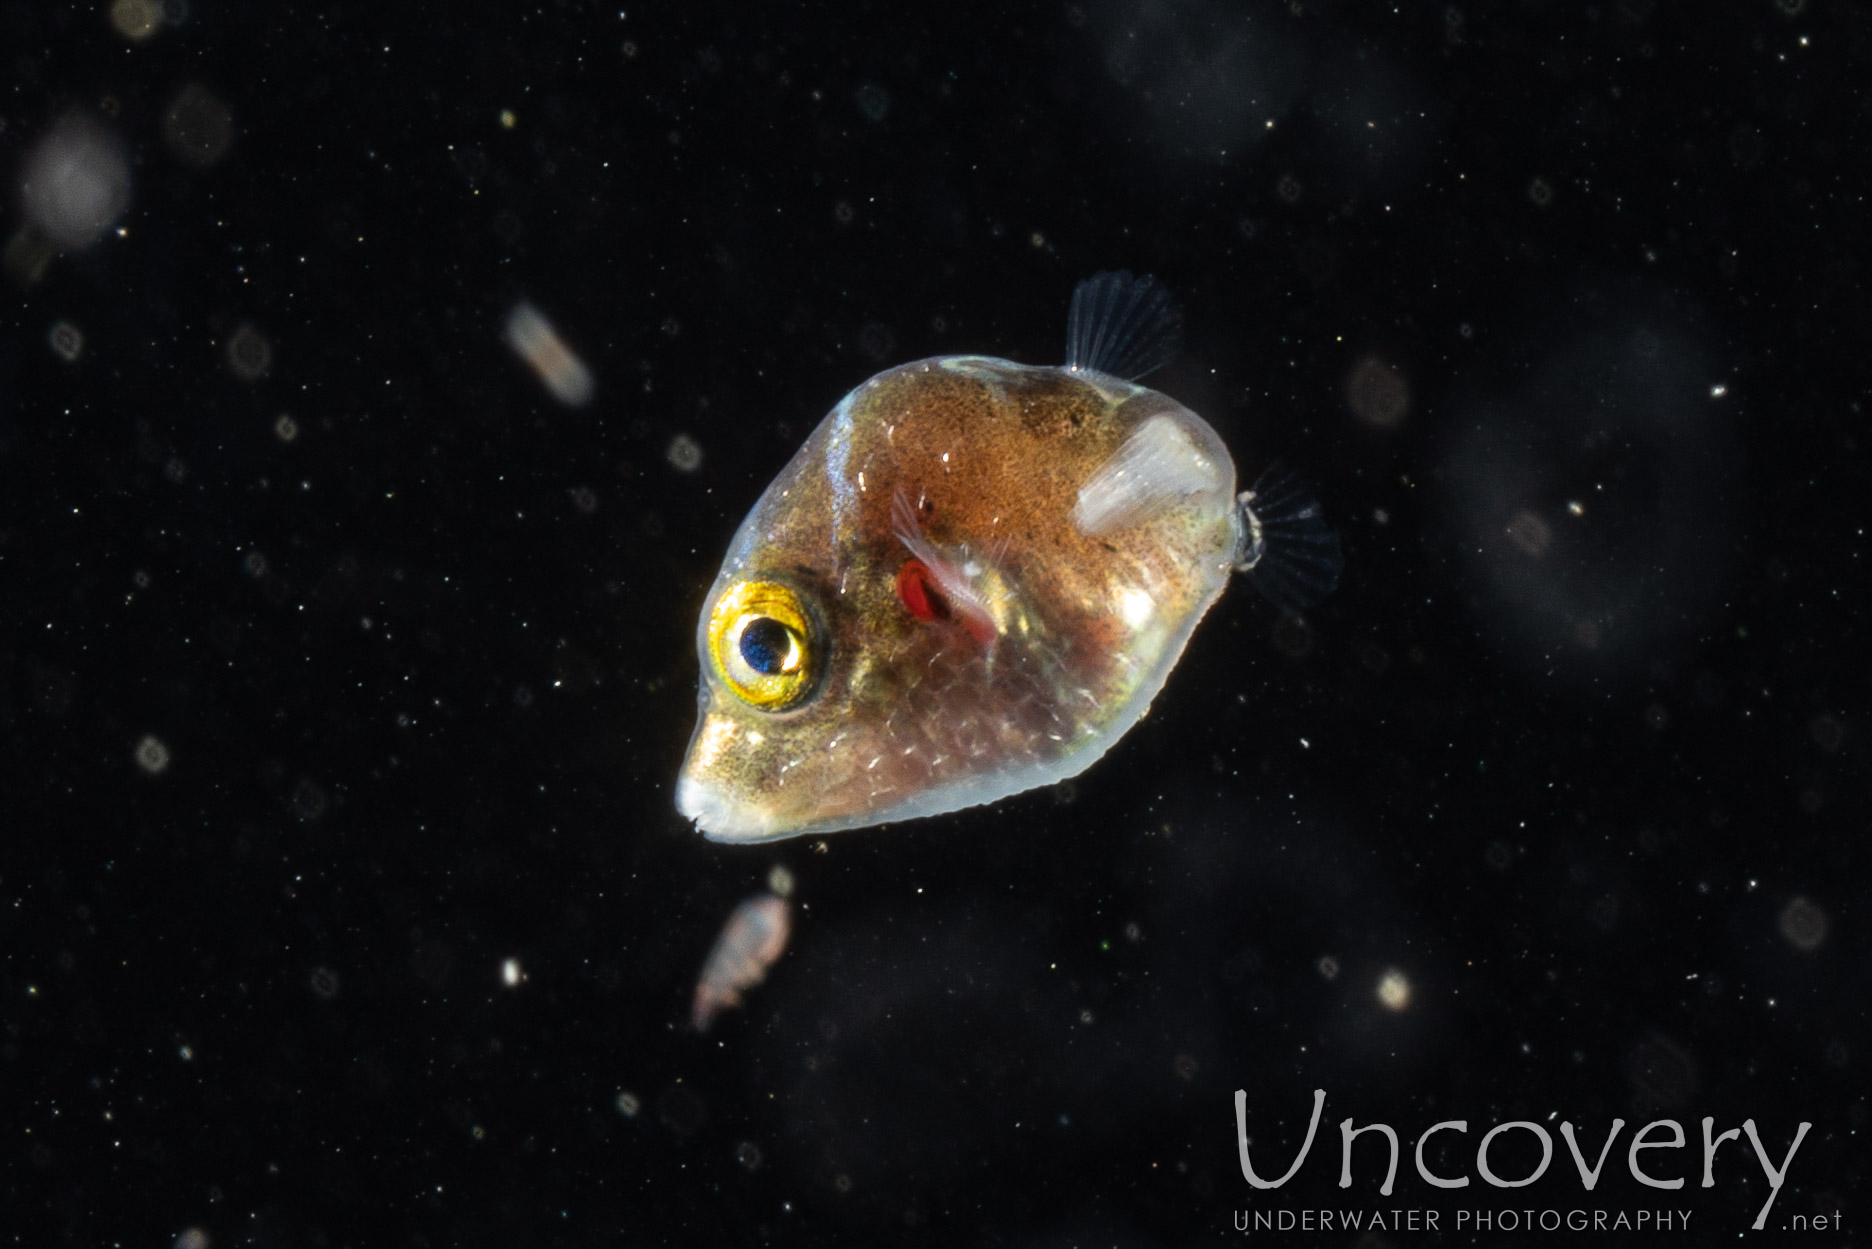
<point>973,578</point>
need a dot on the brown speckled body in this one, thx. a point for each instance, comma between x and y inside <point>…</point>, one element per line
<point>916,716</point>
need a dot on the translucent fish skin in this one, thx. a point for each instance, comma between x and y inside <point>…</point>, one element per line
<point>751,941</point>
<point>914,717</point>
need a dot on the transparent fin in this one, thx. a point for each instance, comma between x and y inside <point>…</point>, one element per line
<point>1122,325</point>
<point>959,583</point>
<point>1156,468</point>
<point>1288,550</point>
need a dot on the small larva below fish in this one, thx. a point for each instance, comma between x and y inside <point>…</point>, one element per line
<point>750,942</point>
<point>973,578</point>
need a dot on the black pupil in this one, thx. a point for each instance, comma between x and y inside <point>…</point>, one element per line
<point>766,644</point>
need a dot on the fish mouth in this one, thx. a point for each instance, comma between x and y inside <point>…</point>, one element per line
<point>719,817</point>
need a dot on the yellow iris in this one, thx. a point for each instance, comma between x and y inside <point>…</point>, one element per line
<point>762,644</point>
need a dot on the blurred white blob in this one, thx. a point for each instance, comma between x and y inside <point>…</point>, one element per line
<point>512,973</point>
<point>1211,76</point>
<point>152,755</point>
<point>1531,535</point>
<point>76,183</point>
<point>1804,923</point>
<point>198,127</point>
<point>1378,393</point>
<point>249,354</point>
<point>1394,990</point>
<point>67,340</point>
<point>684,454</point>
<point>136,20</point>
<point>534,340</point>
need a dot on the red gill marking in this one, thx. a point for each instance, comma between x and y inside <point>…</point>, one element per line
<point>923,596</point>
<point>918,591</point>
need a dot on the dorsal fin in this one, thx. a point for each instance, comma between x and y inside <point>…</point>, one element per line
<point>1122,325</point>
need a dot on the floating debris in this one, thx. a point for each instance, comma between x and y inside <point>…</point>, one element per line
<point>535,341</point>
<point>67,340</point>
<point>249,354</point>
<point>152,755</point>
<point>684,454</point>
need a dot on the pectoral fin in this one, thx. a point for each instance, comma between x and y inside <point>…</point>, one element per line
<point>1155,469</point>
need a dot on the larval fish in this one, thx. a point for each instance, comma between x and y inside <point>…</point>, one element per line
<point>750,942</point>
<point>973,579</point>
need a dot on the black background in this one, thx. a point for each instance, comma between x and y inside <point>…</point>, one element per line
<point>1590,779</point>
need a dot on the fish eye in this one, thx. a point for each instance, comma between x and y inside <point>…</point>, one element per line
<point>769,647</point>
<point>762,644</point>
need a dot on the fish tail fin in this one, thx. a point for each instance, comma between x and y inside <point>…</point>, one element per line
<point>1288,550</point>
<point>1122,325</point>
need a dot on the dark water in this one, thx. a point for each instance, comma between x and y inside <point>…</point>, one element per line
<point>345,668</point>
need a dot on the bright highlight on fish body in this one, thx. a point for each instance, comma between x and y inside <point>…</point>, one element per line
<point>973,579</point>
